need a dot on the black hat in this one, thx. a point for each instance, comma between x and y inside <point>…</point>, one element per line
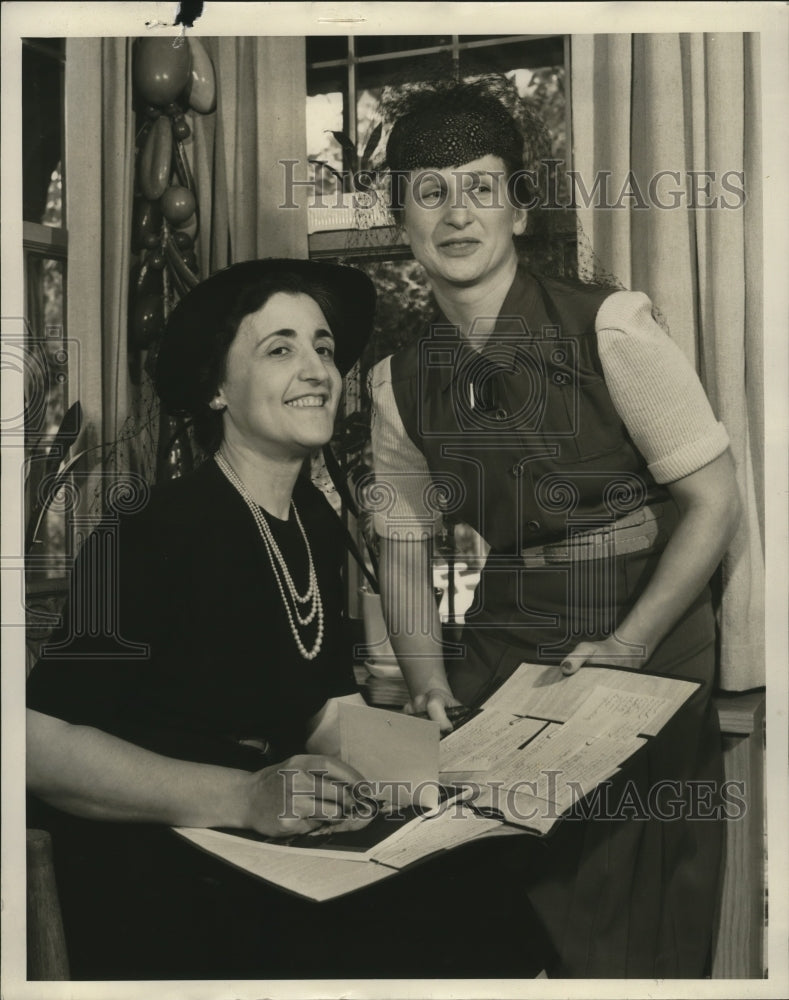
<point>202,326</point>
<point>451,125</point>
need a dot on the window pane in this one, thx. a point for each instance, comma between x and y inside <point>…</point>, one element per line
<point>46,395</point>
<point>505,58</point>
<point>323,48</point>
<point>492,58</point>
<point>327,81</point>
<point>396,72</point>
<point>373,45</point>
<point>42,129</point>
<point>326,114</point>
<point>368,116</point>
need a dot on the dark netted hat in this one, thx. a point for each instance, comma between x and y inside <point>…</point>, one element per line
<point>448,128</point>
<point>192,354</point>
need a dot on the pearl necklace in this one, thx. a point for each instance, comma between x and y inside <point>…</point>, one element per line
<point>292,600</point>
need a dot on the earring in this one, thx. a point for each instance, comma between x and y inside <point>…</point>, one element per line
<point>217,404</point>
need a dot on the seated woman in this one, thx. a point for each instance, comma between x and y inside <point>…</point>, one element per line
<point>202,647</point>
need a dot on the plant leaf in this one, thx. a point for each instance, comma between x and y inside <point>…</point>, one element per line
<point>372,144</point>
<point>66,435</point>
<point>348,149</point>
<point>327,166</point>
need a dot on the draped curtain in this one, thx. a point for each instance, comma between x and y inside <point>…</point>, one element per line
<point>99,177</point>
<point>689,104</point>
<point>260,120</point>
<point>234,154</point>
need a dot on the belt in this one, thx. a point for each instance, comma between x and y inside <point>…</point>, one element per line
<point>647,528</point>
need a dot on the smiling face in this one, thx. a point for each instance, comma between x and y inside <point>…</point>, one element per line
<point>281,386</point>
<point>459,222</point>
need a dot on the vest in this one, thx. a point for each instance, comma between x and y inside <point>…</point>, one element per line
<point>522,440</point>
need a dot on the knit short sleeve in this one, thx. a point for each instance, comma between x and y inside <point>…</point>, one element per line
<point>402,477</point>
<point>655,390</point>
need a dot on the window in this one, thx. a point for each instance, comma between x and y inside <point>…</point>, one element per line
<point>346,81</point>
<point>46,349</point>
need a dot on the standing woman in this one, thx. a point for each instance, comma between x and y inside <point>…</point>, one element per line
<point>564,425</point>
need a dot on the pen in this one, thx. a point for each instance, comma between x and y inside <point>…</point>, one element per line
<point>454,713</point>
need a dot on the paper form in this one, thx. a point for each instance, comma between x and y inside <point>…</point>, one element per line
<point>484,739</point>
<point>544,692</point>
<point>318,878</point>
<point>454,825</point>
<point>607,710</point>
<point>541,691</point>
<point>563,754</point>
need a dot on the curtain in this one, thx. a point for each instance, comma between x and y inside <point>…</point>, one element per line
<point>113,392</point>
<point>234,154</point>
<point>675,120</point>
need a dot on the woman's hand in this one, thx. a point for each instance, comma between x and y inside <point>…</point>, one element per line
<point>433,703</point>
<point>89,773</point>
<point>612,651</point>
<point>303,793</point>
<point>709,506</point>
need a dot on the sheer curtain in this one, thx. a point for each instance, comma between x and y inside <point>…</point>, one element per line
<point>689,104</point>
<point>234,153</point>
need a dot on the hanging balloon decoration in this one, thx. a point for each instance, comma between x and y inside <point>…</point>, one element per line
<point>173,79</point>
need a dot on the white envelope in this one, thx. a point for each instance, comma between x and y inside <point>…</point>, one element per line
<point>399,753</point>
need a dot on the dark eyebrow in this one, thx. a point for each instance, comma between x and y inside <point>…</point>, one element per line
<point>319,334</point>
